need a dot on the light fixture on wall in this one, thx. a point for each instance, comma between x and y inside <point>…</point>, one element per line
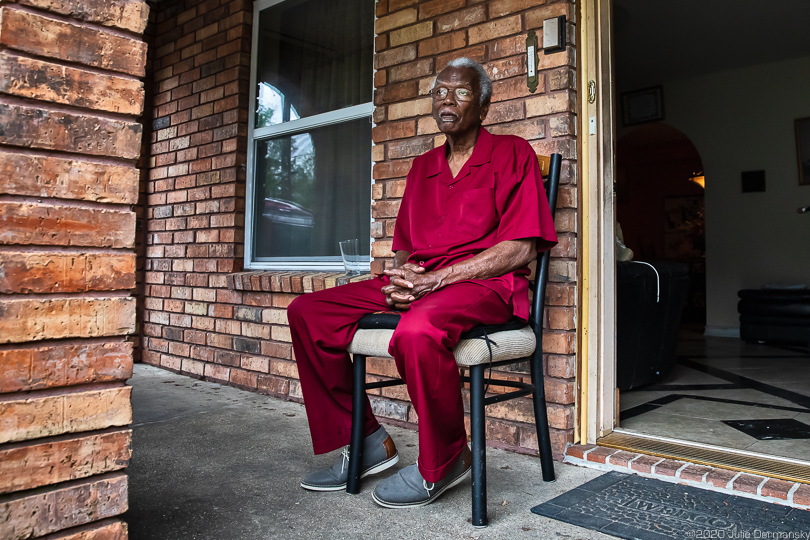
<point>698,179</point>
<point>554,35</point>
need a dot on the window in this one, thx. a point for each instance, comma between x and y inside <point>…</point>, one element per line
<point>309,153</point>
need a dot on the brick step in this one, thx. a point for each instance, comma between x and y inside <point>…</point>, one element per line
<point>764,488</point>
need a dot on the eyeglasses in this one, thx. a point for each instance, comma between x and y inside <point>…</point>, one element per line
<point>462,94</point>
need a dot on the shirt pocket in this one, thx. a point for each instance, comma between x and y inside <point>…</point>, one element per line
<point>476,214</point>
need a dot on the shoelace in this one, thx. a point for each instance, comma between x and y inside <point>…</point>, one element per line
<point>345,461</point>
<point>425,485</point>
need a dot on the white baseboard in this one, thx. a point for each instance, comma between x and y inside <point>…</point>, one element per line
<point>723,331</point>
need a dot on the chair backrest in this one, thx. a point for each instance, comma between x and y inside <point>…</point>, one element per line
<point>550,168</point>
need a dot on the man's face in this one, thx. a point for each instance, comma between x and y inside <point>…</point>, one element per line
<point>454,116</point>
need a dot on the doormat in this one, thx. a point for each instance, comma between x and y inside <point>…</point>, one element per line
<point>631,506</point>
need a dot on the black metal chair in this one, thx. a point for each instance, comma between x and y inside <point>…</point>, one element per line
<point>478,349</point>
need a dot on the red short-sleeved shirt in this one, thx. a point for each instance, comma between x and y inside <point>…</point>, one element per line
<point>498,195</point>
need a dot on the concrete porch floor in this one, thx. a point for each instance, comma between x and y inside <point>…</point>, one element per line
<point>214,462</point>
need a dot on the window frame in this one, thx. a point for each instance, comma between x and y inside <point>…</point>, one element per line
<point>292,127</point>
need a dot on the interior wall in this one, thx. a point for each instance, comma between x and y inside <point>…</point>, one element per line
<point>743,120</point>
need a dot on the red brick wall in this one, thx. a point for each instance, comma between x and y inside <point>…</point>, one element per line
<point>70,95</point>
<point>196,184</point>
<point>202,320</point>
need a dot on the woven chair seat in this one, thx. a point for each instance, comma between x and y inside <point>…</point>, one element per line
<point>506,345</point>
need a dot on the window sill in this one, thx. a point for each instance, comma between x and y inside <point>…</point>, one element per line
<point>290,282</point>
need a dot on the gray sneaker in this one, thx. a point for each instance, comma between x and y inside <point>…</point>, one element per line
<point>407,488</point>
<point>379,453</point>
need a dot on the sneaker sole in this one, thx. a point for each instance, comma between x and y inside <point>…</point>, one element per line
<point>460,478</point>
<point>379,467</point>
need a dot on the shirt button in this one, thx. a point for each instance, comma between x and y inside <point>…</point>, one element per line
<point>451,187</point>
<point>421,263</point>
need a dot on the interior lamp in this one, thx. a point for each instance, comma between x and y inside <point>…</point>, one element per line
<point>698,179</point>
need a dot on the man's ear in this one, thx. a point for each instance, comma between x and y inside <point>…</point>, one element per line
<point>484,112</point>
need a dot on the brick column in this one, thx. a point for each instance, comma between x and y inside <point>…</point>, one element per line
<point>70,95</point>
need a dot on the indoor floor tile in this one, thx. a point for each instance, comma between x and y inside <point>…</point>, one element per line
<point>796,449</point>
<point>713,410</point>
<point>688,429</point>
<point>774,373</point>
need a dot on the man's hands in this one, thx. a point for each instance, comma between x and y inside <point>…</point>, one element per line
<point>398,294</point>
<point>409,282</point>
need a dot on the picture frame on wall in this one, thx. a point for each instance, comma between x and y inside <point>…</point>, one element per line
<point>803,149</point>
<point>642,106</point>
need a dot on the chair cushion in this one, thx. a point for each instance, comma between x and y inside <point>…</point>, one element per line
<point>506,345</point>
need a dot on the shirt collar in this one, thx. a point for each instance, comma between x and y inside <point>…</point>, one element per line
<point>483,148</point>
<point>482,153</point>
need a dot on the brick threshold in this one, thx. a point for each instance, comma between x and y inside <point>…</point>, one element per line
<point>761,488</point>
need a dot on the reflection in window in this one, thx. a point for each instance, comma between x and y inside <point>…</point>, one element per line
<point>288,179</point>
<point>307,194</point>
<point>273,108</point>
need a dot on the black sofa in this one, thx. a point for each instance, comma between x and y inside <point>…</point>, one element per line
<point>650,301</point>
<point>778,316</point>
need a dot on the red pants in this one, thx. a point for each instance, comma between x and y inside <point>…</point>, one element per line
<point>323,324</point>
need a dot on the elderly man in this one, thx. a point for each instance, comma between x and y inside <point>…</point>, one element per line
<point>473,215</point>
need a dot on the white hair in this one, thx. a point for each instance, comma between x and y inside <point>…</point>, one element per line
<point>484,81</point>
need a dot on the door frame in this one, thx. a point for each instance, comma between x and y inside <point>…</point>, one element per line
<point>596,340</point>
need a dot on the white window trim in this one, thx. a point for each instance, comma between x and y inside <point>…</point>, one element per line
<point>364,110</point>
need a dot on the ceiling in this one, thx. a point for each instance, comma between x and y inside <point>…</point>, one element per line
<point>661,40</point>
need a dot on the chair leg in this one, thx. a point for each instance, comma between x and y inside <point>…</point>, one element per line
<point>541,415</point>
<point>479,448</point>
<point>358,424</point>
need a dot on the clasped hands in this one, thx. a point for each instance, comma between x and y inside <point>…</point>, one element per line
<point>408,283</point>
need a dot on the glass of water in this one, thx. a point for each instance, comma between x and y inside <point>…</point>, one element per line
<point>352,260</point>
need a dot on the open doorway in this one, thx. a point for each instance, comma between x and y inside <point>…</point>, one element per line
<point>707,189</point>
